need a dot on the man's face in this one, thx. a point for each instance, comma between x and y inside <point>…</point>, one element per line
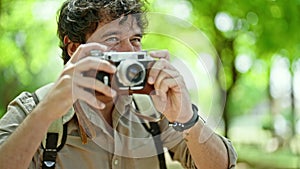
<point>121,35</point>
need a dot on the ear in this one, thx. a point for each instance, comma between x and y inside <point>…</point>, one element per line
<point>71,46</point>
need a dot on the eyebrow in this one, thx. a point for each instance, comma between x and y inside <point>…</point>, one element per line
<point>139,35</point>
<point>118,33</point>
<point>111,33</point>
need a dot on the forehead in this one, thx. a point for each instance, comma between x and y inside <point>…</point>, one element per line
<point>124,26</point>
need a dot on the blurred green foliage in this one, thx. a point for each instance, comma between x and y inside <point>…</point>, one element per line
<point>261,32</point>
<point>28,45</point>
<point>256,29</point>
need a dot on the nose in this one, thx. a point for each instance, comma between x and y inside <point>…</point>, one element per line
<point>125,46</point>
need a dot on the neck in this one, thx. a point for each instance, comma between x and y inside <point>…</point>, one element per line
<point>107,111</point>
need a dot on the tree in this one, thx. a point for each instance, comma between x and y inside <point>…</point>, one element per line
<point>255,29</point>
<point>28,45</point>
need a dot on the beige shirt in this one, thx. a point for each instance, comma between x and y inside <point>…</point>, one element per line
<point>127,144</point>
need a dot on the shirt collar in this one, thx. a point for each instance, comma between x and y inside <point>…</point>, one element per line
<point>120,108</point>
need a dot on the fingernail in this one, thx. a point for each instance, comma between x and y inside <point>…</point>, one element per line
<point>113,93</point>
<point>105,47</point>
<point>150,80</point>
<point>102,105</point>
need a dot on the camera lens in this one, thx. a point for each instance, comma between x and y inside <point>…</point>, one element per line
<point>134,73</point>
<point>131,72</point>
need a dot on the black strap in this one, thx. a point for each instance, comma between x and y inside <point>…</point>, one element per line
<point>64,137</point>
<point>155,131</point>
<point>51,149</point>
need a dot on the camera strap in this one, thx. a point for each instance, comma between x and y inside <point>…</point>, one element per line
<point>54,141</point>
<point>154,129</point>
<point>141,103</point>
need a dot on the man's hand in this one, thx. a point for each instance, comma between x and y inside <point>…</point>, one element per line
<point>172,97</point>
<point>72,84</point>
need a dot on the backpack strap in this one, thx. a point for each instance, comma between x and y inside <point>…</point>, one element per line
<point>144,104</point>
<point>54,140</point>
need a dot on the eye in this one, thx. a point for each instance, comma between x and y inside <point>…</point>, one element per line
<point>136,40</point>
<point>112,40</point>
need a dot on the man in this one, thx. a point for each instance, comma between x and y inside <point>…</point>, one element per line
<point>119,140</point>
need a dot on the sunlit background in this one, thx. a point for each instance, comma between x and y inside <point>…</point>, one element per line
<point>240,60</point>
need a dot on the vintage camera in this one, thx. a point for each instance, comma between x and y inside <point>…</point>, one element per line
<point>132,71</point>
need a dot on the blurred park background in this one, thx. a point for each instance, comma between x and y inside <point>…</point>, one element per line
<point>243,57</point>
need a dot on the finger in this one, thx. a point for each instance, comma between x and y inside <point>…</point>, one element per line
<point>84,51</point>
<point>173,84</point>
<point>156,68</point>
<point>159,104</point>
<point>88,97</point>
<point>165,74</point>
<point>88,64</point>
<point>94,84</point>
<point>92,63</point>
<point>161,54</point>
<point>161,95</point>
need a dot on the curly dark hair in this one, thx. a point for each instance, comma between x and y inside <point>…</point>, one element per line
<point>78,18</point>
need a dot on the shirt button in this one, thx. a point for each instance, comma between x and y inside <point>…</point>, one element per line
<point>116,162</point>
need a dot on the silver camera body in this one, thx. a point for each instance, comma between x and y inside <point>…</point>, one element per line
<point>132,70</point>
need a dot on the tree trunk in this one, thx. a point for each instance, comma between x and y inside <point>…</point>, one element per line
<point>226,91</point>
